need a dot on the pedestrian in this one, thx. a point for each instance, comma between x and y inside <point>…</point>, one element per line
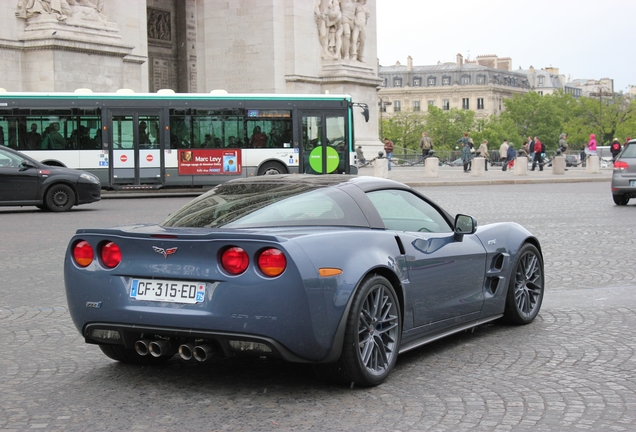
<point>361,160</point>
<point>511,154</point>
<point>426,144</point>
<point>538,154</point>
<point>531,147</point>
<point>388,150</point>
<point>583,155</point>
<point>563,145</point>
<point>466,154</point>
<point>483,152</point>
<point>615,148</point>
<point>503,154</point>
<point>524,150</point>
<point>591,146</point>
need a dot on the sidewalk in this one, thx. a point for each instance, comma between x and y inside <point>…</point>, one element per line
<point>455,176</point>
<point>414,176</point>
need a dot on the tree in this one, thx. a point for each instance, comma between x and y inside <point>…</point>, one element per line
<point>404,128</point>
<point>446,127</point>
<point>535,115</point>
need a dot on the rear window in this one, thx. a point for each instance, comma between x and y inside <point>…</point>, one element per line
<point>251,205</point>
<point>629,151</point>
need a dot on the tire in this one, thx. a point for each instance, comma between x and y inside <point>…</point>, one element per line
<point>59,198</point>
<point>130,356</point>
<point>372,336</point>
<point>620,200</point>
<point>526,288</point>
<point>271,168</point>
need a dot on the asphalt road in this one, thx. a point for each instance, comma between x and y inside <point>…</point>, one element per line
<point>572,369</point>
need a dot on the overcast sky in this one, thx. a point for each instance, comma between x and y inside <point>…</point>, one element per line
<point>585,39</point>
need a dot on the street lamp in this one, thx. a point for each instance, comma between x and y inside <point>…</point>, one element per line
<point>600,88</point>
<point>382,105</point>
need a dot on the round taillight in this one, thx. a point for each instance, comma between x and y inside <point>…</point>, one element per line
<point>83,253</point>
<point>234,260</point>
<point>272,262</point>
<point>111,255</point>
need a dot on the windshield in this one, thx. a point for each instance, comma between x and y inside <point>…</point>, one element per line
<point>252,205</point>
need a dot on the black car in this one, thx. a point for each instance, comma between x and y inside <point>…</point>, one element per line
<point>25,181</point>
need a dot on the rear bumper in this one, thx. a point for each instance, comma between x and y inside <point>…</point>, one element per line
<point>130,333</point>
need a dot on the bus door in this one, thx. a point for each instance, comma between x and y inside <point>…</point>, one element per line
<point>136,148</point>
<point>324,143</point>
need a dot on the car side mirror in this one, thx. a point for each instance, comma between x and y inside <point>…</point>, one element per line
<point>464,224</point>
<point>25,164</point>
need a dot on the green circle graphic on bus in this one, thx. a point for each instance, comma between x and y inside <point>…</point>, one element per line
<point>315,159</point>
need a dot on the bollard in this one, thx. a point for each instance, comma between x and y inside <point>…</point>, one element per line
<point>431,167</point>
<point>558,165</point>
<point>521,166</point>
<point>478,167</point>
<point>593,166</point>
<point>381,168</point>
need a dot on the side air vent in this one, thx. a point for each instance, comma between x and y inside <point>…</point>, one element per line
<point>492,284</point>
<point>498,262</point>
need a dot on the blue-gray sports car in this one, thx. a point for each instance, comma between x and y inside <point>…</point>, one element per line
<point>340,271</point>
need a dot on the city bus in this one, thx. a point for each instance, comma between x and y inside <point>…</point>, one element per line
<point>166,139</point>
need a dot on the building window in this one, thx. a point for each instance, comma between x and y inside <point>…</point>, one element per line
<point>481,80</point>
<point>480,103</point>
<point>445,104</point>
<point>540,81</point>
<point>417,82</point>
<point>430,81</point>
<point>466,80</point>
<point>416,105</point>
<point>431,102</point>
<point>465,103</point>
<point>384,82</point>
<point>446,81</point>
<point>397,82</point>
<point>540,93</point>
<point>397,106</point>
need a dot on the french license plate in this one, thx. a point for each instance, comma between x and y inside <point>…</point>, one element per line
<point>168,291</point>
<point>632,183</point>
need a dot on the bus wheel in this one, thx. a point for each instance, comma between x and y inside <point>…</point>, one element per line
<point>272,168</point>
<point>59,198</point>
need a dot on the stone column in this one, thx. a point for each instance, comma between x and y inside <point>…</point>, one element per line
<point>431,167</point>
<point>558,165</point>
<point>479,167</point>
<point>521,166</point>
<point>593,166</point>
<point>381,168</point>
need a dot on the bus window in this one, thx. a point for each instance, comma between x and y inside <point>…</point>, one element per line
<point>269,128</point>
<point>123,132</point>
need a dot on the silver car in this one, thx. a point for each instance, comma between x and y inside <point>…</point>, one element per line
<point>624,176</point>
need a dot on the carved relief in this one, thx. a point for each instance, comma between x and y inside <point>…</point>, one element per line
<point>90,10</point>
<point>342,28</point>
<point>159,26</point>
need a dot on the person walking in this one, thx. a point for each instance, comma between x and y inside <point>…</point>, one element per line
<point>483,152</point>
<point>466,154</point>
<point>388,150</point>
<point>615,148</point>
<point>503,154</point>
<point>531,148</point>
<point>511,154</point>
<point>538,154</point>
<point>591,146</point>
<point>563,144</point>
<point>426,145</point>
